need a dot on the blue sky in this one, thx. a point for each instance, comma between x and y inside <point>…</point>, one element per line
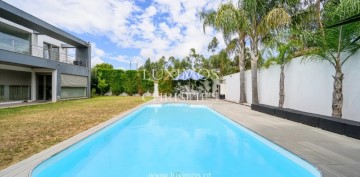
<point>122,31</point>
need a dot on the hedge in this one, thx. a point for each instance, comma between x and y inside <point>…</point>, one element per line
<point>130,82</point>
<point>134,82</point>
<point>166,86</point>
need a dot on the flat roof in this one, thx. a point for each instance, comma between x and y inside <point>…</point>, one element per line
<point>22,18</point>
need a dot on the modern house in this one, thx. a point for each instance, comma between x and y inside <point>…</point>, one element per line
<point>39,61</point>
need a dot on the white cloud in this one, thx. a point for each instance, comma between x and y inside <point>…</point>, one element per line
<point>135,62</point>
<point>96,55</point>
<point>164,28</point>
<point>90,16</point>
<point>146,52</point>
<point>119,67</point>
<point>96,60</point>
<point>173,33</point>
<point>150,11</point>
<point>120,58</point>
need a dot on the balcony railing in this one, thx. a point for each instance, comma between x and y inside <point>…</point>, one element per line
<point>25,47</point>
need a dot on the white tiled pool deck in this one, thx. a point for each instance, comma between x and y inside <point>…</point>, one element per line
<point>335,155</point>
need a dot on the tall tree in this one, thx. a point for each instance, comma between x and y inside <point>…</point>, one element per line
<point>249,20</point>
<point>238,46</point>
<point>102,84</point>
<point>282,49</point>
<point>335,45</point>
<point>282,39</point>
<point>147,65</point>
<point>213,45</point>
<point>262,16</point>
<point>230,21</point>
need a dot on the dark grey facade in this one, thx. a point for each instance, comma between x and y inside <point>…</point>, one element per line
<point>39,61</point>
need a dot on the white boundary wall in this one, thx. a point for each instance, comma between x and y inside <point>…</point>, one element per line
<point>308,86</point>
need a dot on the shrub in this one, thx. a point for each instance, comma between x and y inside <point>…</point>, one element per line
<point>114,79</point>
<point>166,86</point>
<point>119,81</point>
<point>130,84</point>
<point>93,92</point>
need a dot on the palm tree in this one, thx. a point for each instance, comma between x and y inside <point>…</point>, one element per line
<point>251,20</point>
<point>230,21</point>
<point>263,16</point>
<point>283,38</point>
<point>287,47</point>
<point>336,45</point>
<point>351,19</point>
<point>237,46</point>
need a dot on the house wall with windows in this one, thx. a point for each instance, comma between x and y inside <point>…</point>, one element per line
<point>37,58</point>
<point>54,46</point>
<point>308,86</point>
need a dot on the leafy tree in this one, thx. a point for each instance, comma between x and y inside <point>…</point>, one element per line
<point>184,64</point>
<point>94,75</point>
<point>213,45</point>
<point>218,62</point>
<point>104,66</point>
<point>221,63</point>
<point>94,80</point>
<point>102,85</point>
<point>147,65</point>
<point>194,59</point>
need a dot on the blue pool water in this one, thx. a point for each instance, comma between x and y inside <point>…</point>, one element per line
<point>174,140</point>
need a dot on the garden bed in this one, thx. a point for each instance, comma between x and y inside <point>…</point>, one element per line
<point>340,126</point>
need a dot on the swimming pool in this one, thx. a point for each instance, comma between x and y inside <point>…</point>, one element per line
<point>174,140</point>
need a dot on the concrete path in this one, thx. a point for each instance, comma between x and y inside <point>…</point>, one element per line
<point>336,155</point>
<point>21,104</point>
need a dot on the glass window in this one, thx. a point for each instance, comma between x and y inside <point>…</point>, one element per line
<point>6,42</point>
<point>54,53</point>
<point>47,51</point>
<point>2,93</point>
<point>15,44</point>
<point>19,92</point>
<point>51,52</point>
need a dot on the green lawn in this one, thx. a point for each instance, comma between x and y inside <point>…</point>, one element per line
<point>27,130</point>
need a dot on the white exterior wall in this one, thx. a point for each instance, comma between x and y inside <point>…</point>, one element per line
<point>232,90</point>
<point>268,81</point>
<point>352,88</point>
<point>308,87</point>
